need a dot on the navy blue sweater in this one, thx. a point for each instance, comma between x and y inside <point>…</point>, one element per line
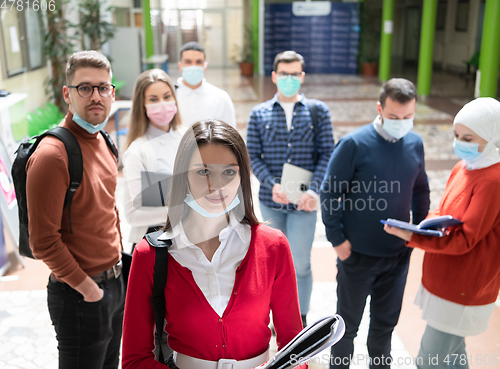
<point>369,179</point>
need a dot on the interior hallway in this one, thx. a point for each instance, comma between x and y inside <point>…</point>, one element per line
<point>352,102</point>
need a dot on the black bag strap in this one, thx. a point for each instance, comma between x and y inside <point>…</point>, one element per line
<point>313,110</point>
<point>75,162</point>
<point>110,143</point>
<point>160,281</point>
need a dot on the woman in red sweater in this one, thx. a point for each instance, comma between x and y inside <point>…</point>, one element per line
<point>461,271</point>
<point>226,272</point>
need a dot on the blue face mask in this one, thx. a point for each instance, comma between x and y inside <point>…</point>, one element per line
<point>90,128</point>
<point>466,150</point>
<point>289,85</point>
<point>196,207</point>
<point>193,75</point>
<point>397,128</point>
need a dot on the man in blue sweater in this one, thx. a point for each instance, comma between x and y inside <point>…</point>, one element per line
<point>376,172</point>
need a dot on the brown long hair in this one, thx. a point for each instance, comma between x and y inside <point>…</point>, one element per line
<point>139,121</point>
<point>208,132</point>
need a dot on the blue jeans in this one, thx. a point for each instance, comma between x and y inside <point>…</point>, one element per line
<point>299,228</point>
<point>439,350</point>
<point>88,333</point>
<point>384,279</point>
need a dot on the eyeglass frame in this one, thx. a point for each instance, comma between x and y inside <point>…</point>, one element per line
<point>284,75</point>
<point>93,87</point>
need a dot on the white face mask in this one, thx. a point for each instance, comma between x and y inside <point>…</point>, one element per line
<point>190,200</point>
<point>193,74</point>
<point>90,128</point>
<point>397,128</point>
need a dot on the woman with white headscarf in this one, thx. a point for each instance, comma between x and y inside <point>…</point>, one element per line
<point>461,272</point>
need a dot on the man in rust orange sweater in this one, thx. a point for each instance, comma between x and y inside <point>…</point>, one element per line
<point>85,289</point>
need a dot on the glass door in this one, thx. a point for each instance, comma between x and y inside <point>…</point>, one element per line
<point>212,37</point>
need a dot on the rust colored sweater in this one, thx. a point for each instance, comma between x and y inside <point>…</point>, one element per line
<point>464,267</point>
<point>95,243</point>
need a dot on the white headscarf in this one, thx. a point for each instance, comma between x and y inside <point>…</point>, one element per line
<point>482,116</point>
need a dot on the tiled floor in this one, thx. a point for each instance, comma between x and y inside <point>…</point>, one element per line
<point>27,339</point>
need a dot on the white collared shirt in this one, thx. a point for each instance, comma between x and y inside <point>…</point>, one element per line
<point>214,278</point>
<point>452,318</point>
<point>153,152</point>
<point>204,102</point>
<point>165,146</point>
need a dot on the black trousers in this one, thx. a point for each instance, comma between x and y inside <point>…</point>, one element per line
<point>384,279</point>
<point>88,333</point>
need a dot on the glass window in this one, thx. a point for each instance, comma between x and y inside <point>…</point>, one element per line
<point>211,4</point>
<point>235,3</point>
<point>199,4</point>
<point>22,39</point>
<point>234,33</point>
<point>34,32</point>
<point>462,16</point>
<point>441,15</point>
<point>121,17</point>
<point>212,37</point>
<point>11,35</point>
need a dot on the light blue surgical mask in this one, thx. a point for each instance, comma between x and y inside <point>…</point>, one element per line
<point>90,128</point>
<point>193,75</point>
<point>466,150</point>
<point>289,85</point>
<point>397,128</point>
<point>196,207</point>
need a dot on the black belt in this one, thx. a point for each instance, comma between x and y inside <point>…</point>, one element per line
<point>111,273</point>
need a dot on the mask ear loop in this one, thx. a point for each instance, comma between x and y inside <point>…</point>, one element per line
<point>186,208</point>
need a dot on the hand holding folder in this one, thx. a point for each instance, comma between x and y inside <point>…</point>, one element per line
<point>427,227</point>
<point>311,340</point>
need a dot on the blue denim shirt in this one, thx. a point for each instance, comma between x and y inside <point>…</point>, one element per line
<point>271,144</point>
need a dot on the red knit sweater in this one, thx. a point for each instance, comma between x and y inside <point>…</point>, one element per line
<point>464,267</point>
<point>265,280</point>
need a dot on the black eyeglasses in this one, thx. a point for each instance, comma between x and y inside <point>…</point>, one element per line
<point>86,89</point>
<point>295,75</point>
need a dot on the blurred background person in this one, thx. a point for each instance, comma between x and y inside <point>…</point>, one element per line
<point>153,138</point>
<point>198,99</point>
<point>282,131</point>
<point>355,196</point>
<point>461,271</point>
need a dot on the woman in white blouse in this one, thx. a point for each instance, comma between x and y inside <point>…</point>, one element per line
<point>153,138</point>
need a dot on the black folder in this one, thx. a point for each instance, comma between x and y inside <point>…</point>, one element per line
<point>155,187</point>
<point>310,341</point>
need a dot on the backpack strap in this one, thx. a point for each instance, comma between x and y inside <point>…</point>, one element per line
<point>110,143</point>
<point>75,162</point>
<point>160,281</point>
<point>313,110</point>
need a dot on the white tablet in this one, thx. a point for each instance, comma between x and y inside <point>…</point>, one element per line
<point>295,181</point>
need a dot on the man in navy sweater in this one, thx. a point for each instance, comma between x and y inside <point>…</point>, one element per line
<point>376,172</point>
